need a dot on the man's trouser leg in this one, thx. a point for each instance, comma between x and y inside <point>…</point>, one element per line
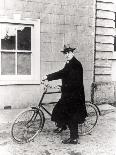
<point>73,127</point>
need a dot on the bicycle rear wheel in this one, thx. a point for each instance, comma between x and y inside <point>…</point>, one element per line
<point>27,125</point>
<point>90,121</point>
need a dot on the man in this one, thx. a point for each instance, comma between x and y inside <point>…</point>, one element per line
<point>70,109</point>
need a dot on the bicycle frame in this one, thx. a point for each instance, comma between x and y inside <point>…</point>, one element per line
<point>26,121</point>
<point>41,104</point>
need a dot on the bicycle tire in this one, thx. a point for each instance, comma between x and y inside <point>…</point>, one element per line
<point>27,125</point>
<point>90,121</point>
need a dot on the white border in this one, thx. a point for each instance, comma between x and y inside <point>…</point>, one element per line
<point>35,77</point>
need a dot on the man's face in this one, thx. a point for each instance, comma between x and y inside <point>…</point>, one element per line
<point>69,55</point>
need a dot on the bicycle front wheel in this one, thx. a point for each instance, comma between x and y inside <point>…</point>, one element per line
<point>90,121</point>
<point>27,125</point>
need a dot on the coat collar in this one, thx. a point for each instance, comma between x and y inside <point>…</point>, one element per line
<point>70,61</point>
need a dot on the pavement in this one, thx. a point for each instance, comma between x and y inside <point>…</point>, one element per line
<point>102,140</point>
<point>8,115</point>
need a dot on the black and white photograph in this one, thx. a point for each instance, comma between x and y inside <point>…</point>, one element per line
<point>57,77</point>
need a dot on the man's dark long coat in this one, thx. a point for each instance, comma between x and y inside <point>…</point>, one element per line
<point>72,102</point>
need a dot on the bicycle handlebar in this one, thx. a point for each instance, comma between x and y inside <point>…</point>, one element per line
<point>47,85</point>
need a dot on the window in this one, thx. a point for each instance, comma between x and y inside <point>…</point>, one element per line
<point>19,52</point>
<point>15,49</point>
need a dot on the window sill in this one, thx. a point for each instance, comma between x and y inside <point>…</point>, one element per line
<point>24,82</point>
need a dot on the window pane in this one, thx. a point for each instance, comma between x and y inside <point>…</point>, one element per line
<point>24,38</point>
<point>8,36</point>
<point>24,63</point>
<point>7,63</point>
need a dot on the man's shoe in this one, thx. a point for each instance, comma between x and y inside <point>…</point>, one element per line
<point>71,141</point>
<point>59,130</point>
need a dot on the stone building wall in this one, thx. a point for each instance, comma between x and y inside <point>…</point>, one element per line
<point>61,22</point>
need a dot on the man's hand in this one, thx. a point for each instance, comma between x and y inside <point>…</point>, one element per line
<point>44,78</point>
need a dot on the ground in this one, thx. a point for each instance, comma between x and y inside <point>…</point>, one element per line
<point>102,140</point>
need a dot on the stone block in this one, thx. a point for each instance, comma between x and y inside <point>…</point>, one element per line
<point>105,14</point>
<point>2,4</point>
<point>87,74</point>
<point>107,1</point>
<point>21,5</point>
<point>70,38</point>
<point>52,19</point>
<point>53,28</point>
<point>105,31</point>
<point>29,97</point>
<point>45,37</point>
<point>91,22</point>
<point>89,31</point>
<point>57,46</point>
<point>52,38</point>
<point>57,19</point>
<point>87,65</point>
<point>86,2</point>
<point>103,78</point>
<point>84,21</point>
<point>103,63</point>
<point>106,108</point>
<point>87,88</point>
<point>32,6</point>
<point>46,50</point>
<point>104,47</point>
<point>105,23</point>
<point>48,67</point>
<point>102,71</point>
<point>113,70</point>
<point>9,4</point>
<point>51,51</point>
<point>57,9</point>
<point>61,19</point>
<point>6,14</point>
<point>72,2</point>
<point>103,55</point>
<point>115,91</point>
<point>70,19</point>
<point>104,92</point>
<point>32,15</point>
<point>83,11</point>
<point>105,6</point>
<point>70,9</point>
<point>105,39</point>
<point>82,57</point>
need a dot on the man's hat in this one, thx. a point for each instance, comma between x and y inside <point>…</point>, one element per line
<point>67,48</point>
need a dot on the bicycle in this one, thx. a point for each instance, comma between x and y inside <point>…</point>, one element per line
<point>31,121</point>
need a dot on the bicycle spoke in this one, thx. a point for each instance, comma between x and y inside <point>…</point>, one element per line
<point>27,125</point>
<point>90,120</point>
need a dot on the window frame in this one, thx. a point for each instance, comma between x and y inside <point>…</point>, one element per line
<point>34,78</point>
